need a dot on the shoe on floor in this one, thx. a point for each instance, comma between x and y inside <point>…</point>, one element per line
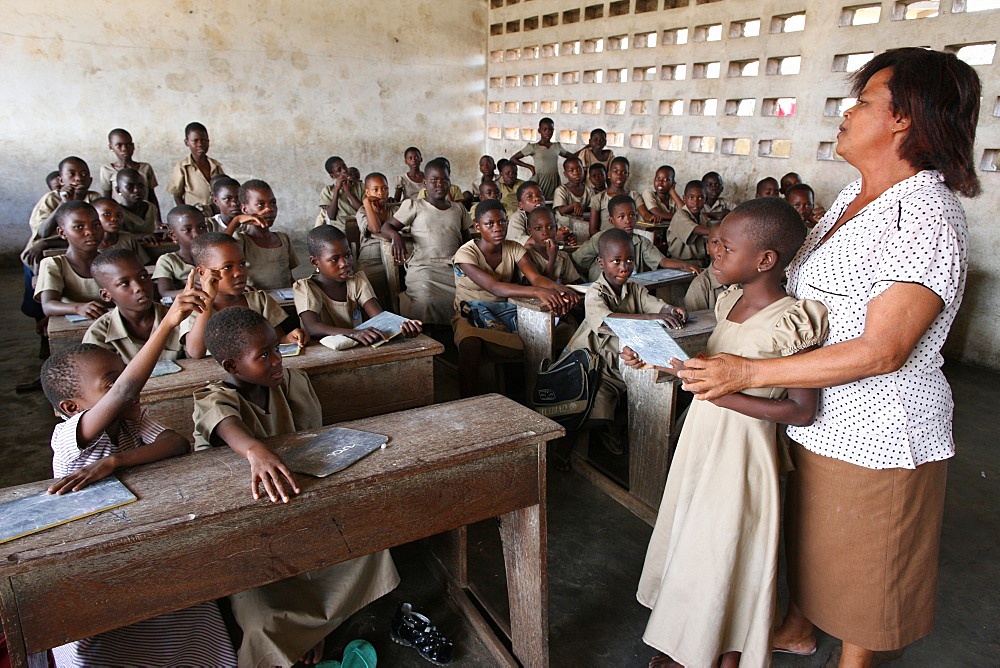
<point>414,630</point>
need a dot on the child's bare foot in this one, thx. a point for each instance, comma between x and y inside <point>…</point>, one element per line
<point>314,655</point>
<point>789,642</point>
<point>663,661</point>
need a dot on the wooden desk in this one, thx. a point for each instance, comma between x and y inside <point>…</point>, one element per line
<point>196,535</point>
<point>651,407</point>
<point>670,290</point>
<point>350,384</point>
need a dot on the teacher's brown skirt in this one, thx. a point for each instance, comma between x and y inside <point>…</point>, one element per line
<point>862,548</point>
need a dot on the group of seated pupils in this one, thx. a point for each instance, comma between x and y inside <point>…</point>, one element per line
<point>463,254</point>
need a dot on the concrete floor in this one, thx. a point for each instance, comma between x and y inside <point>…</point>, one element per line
<point>595,546</point>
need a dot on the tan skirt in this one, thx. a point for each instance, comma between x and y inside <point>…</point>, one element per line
<point>862,548</point>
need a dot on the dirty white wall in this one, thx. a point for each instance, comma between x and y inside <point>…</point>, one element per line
<point>281,86</point>
<point>524,38</point>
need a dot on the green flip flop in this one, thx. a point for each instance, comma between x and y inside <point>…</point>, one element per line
<point>358,654</point>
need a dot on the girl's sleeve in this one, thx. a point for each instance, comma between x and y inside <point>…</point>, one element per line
<point>802,326</point>
<point>407,212</point>
<point>293,259</point>
<point>49,278</point>
<point>305,299</point>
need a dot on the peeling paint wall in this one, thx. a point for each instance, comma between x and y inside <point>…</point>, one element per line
<point>281,86</point>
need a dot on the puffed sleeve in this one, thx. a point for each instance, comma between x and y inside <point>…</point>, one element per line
<point>407,212</point>
<point>176,184</point>
<point>305,298</point>
<point>212,405</point>
<point>49,278</point>
<point>361,288</point>
<point>802,326</point>
<point>263,303</point>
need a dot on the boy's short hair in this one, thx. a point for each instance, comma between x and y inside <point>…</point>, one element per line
<point>596,167</point>
<point>51,177</point>
<point>128,171</point>
<point>800,188</point>
<point>118,131</point>
<point>620,159</point>
<point>203,244</point>
<point>69,207</point>
<point>105,261</point>
<point>710,175</point>
<point>488,205</point>
<point>596,130</point>
<point>619,200</point>
<point>503,162</point>
<point>691,185</point>
<point>322,236</point>
<point>331,161</point>
<point>253,184</point>
<point>177,214</point>
<point>540,210</point>
<point>72,158</point>
<point>411,148</point>
<point>375,175</point>
<point>785,179</point>
<point>60,373</point>
<point>194,126</point>
<point>771,223</point>
<point>223,181</point>
<point>439,163</point>
<point>570,159</point>
<point>227,334</point>
<point>486,183</point>
<point>613,236</point>
<point>766,179</point>
<point>668,168</point>
<point>524,186</point>
<point>546,120</point>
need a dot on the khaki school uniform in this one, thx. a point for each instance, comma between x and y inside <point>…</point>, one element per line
<point>309,296</point>
<point>345,210</point>
<point>56,273</point>
<point>269,268</point>
<point>467,290</point>
<point>110,331</point>
<point>651,201</point>
<point>703,292</point>
<point>170,265</point>
<point>257,300</point>
<point>564,197</point>
<point>454,193</point>
<point>600,202</point>
<point>647,256</point>
<point>129,242</point>
<point>508,195</point>
<point>517,227</point>
<point>43,208</point>
<point>137,224</point>
<point>682,240</point>
<point>107,178</point>
<point>370,255</point>
<point>563,271</point>
<point>601,301</point>
<point>721,204</point>
<point>188,182</point>
<point>284,619</point>
<point>409,187</point>
<point>588,158</point>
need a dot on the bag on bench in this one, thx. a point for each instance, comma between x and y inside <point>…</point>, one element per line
<point>565,389</point>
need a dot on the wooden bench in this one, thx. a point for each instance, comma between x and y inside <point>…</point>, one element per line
<point>651,407</point>
<point>351,384</point>
<point>196,535</point>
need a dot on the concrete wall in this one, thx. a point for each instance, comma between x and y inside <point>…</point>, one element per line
<point>281,86</point>
<point>517,29</point>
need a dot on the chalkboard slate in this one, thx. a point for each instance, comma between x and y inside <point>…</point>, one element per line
<point>650,339</point>
<point>390,324</point>
<point>660,275</point>
<point>38,512</point>
<point>333,450</point>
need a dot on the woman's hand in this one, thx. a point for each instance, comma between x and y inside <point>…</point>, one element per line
<point>713,377</point>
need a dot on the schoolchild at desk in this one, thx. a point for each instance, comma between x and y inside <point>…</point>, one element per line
<point>105,429</point>
<point>597,177</point>
<point>409,183</point>
<point>803,200</point>
<point>572,199</point>
<point>339,201</point>
<point>286,621</point>
<point>141,215</point>
<point>767,187</point>
<point>184,224</point>
<point>487,190</point>
<point>336,299</point>
<point>659,203</point>
<point>705,289</point>
<point>74,185</point>
<point>529,197</point>
<point>595,152</point>
<point>617,185</point>
<point>65,283</point>
<point>111,215</point>
<point>716,206</point>
<point>375,212</point>
<point>454,192</point>
<point>190,181</point>
<point>612,293</point>
<point>222,271</point>
<point>127,327</point>
<point>121,144</point>
<point>689,227</point>
<point>487,173</point>
<point>225,200</point>
<point>270,256</point>
<point>622,214</point>
<point>508,184</point>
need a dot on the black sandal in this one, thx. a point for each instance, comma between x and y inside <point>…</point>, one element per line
<point>412,629</point>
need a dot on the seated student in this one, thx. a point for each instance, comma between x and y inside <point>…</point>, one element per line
<point>190,181</point>
<point>508,184</point>
<point>65,284</point>
<point>52,180</point>
<point>689,227</point>
<point>595,153</point>
<point>802,198</point>
<point>613,293</point>
<point>286,621</point>
<point>336,299</point>
<point>409,183</point>
<point>487,190</point>
<point>141,216</point>
<point>572,199</point>
<point>105,429</point>
<point>484,278</point>
<point>716,206</point>
<point>225,200</point>
<point>111,216</point>
<point>127,327</point>
<point>545,153</point>
<point>487,174</point>
<point>121,144</point>
<point>597,176</point>
<point>222,270</point>
<point>454,192</point>
<point>74,185</point>
<point>375,212</point>
<point>184,224</point>
<point>787,181</point>
<point>270,256</point>
<point>705,289</point>
<point>529,197</point>
<point>623,214</point>
<point>617,185</point>
<point>767,187</point>
<point>438,227</point>
<point>339,201</point>
<point>659,203</point>
<point>543,248</point>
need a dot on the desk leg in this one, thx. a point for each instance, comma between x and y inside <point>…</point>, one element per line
<point>536,329</point>
<point>651,407</point>
<point>525,551</point>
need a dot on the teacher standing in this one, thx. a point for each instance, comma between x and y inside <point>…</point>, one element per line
<point>889,261</point>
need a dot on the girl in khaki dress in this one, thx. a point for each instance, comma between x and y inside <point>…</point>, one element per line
<point>710,576</point>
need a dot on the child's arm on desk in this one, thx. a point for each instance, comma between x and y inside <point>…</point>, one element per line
<point>266,467</point>
<point>53,305</point>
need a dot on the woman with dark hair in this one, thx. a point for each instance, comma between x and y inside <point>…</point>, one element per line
<point>889,261</point>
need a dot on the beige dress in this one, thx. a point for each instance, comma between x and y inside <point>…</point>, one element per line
<point>110,331</point>
<point>309,296</point>
<point>710,575</point>
<point>370,255</point>
<point>129,242</point>
<point>508,195</point>
<point>467,290</point>
<point>703,292</point>
<point>600,202</point>
<point>284,619</point>
<point>107,178</point>
<point>410,188</point>
<point>56,273</point>
<point>170,265</point>
<point>270,268</point>
<point>137,224</point>
<point>651,201</point>
<point>257,300</point>
<point>563,197</point>
<point>430,279</point>
<point>345,210</point>
<point>517,227</point>
<point>682,240</point>
<point>187,182</point>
